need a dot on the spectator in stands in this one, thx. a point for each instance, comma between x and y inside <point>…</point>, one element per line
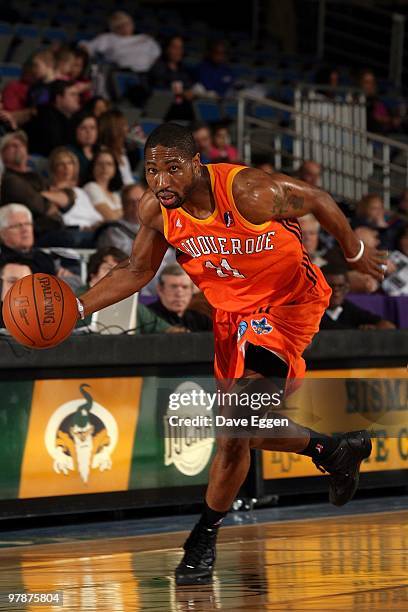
<point>122,233</point>
<point>52,127</point>
<point>202,137</point>
<point>20,184</point>
<point>85,136</point>
<point>10,272</point>
<point>310,238</point>
<point>169,73</point>
<point>105,184</point>
<point>43,71</point>
<point>403,203</point>
<point>7,121</point>
<point>15,95</point>
<point>329,77</point>
<point>402,241</point>
<point>64,63</point>
<point>379,118</point>
<point>113,128</point>
<point>175,290</point>
<point>78,73</point>
<point>370,211</point>
<point>64,169</point>
<point>263,162</point>
<point>222,150</point>
<point>17,239</point>
<point>122,47</point>
<point>213,73</point>
<point>311,173</point>
<point>99,265</point>
<point>357,281</point>
<point>343,314</point>
<point>96,106</point>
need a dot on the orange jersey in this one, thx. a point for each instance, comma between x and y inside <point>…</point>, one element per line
<point>238,265</point>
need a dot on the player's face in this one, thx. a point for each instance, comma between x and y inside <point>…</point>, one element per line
<point>171,175</point>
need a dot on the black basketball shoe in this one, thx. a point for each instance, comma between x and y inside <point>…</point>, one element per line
<point>343,465</point>
<point>197,565</point>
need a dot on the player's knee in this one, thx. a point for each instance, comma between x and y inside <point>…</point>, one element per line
<point>233,447</point>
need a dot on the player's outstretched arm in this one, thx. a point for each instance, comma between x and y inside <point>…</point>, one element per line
<point>261,197</point>
<point>134,273</point>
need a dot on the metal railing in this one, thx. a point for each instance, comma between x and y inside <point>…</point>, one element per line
<point>350,30</point>
<point>353,161</point>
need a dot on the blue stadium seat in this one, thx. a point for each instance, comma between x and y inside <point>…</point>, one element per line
<point>23,30</point>
<point>149,125</point>
<point>57,34</point>
<point>207,110</point>
<point>6,28</point>
<point>265,112</point>
<point>122,81</point>
<point>12,71</point>
<point>230,110</point>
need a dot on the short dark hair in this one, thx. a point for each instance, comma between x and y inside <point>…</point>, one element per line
<point>58,88</point>
<point>172,135</point>
<point>14,259</point>
<point>334,269</point>
<point>97,258</point>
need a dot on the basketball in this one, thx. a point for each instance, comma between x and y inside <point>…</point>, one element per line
<point>40,311</point>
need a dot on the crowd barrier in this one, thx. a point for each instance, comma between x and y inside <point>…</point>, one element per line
<point>85,425</point>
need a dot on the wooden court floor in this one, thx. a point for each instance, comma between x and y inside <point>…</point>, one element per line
<point>357,562</point>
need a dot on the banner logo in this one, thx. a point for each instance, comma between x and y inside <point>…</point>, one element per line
<point>81,436</point>
<point>188,447</point>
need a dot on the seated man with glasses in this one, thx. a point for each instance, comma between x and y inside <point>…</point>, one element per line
<point>342,314</point>
<point>17,239</point>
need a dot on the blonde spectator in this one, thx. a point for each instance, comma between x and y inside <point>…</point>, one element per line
<point>64,170</point>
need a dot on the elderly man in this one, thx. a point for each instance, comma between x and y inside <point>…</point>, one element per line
<point>20,184</point>
<point>175,290</point>
<point>310,238</point>
<point>17,241</point>
<point>122,47</point>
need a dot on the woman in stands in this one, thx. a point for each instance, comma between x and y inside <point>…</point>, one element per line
<point>64,169</point>
<point>113,131</point>
<point>104,185</point>
<point>85,133</point>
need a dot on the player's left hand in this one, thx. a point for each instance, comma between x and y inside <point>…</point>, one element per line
<point>372,262</point>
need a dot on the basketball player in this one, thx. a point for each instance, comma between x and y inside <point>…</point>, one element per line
<point>237,236</point>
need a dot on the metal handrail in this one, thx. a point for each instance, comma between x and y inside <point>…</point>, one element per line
<point>353,160</point>
<point>287,107</point>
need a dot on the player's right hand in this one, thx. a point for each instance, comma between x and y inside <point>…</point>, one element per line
<point>372,262</point>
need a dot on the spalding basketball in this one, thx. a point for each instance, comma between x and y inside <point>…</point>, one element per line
<point>40,311</point>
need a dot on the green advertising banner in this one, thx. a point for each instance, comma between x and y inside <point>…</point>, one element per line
<point>15,407</point>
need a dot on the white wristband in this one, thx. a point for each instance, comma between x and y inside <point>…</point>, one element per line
<point>81,309</point>
<point>359,254</point>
